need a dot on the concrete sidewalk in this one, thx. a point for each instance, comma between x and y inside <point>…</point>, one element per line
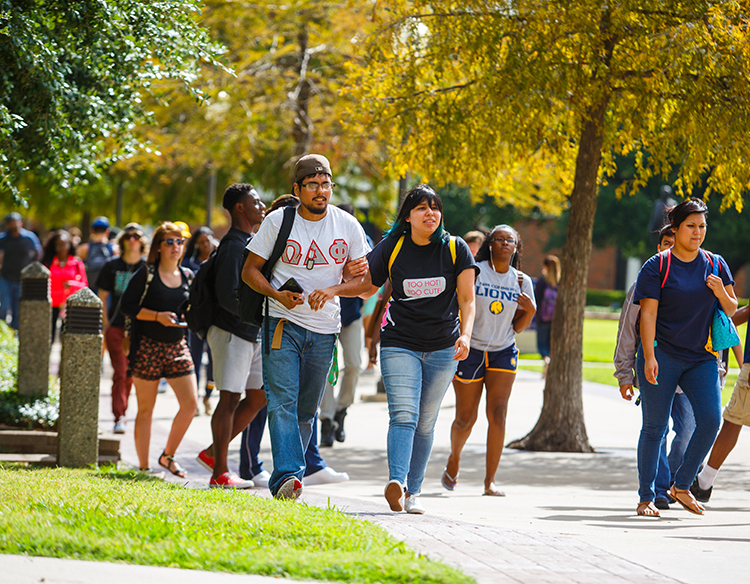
<point>566,517</point>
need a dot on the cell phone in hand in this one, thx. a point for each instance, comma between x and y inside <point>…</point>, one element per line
<point>292,285</point>
<point>179,322</point>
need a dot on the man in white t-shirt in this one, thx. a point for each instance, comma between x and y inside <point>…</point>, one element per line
<point>303,325</point>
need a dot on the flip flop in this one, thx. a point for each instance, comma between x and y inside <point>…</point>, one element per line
<point>647,509</point>
<point>493,491</point>
<point>448,481</point>
<point>688,502</point>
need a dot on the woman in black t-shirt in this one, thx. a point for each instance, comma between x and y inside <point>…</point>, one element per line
<point>422,338</point>
<point>158,346</point>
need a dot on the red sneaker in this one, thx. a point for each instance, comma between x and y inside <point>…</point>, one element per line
<point>229,480</point>
<point>206,461</point>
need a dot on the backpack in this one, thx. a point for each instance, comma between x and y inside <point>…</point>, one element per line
<point>251,302</point>
<point>547,308</point>
<point>99,254</point>
<point>202,306</point>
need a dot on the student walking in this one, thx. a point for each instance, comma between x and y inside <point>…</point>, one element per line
<point>422,337</point>
<point>676,316</point>
<point>158,347</point>
<point>303,324</point>
<point>504,306</point>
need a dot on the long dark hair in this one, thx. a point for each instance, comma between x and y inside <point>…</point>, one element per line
<point>190,247</point>
<point>483,255</point>
<point>415,197</point>
<point>677,214</point>
<point>49,248</point>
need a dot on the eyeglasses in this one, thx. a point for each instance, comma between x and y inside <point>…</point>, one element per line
<point>509,241</point>
<point>312,187</point>
<point>131,236</point>
<point>174,241</point>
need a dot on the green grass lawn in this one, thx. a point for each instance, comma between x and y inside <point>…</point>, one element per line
<point>118,516</point>
<point>599,339</point>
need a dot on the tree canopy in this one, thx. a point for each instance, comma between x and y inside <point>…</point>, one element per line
<point>73,77</point>
<point>283,101</point>
<point>532,101</point>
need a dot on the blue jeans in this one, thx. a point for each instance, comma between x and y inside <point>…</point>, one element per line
<point>294,378</point>
<point>415,383</point>
<point>10,294</point>
<point>197,346</point>
<point>250,465</point>
<point>683,425</point>
<point>700,383</point>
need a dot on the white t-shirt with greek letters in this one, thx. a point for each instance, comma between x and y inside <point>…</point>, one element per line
<point>328,243</point>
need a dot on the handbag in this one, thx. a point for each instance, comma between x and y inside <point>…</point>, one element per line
<point>723,332</point>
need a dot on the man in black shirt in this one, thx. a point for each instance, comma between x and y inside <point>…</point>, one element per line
<point>112,281</point>
<point>18,248</point>
<point>234,345</point>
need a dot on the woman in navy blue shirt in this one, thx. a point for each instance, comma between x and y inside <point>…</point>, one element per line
<point>677,308</point>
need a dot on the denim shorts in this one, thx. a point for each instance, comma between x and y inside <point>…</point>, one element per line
<point>473,367</point>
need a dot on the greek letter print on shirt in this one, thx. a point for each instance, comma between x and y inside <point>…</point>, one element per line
<point>325,245</point>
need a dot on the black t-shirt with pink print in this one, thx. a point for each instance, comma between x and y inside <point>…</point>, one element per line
<point>422,314</point>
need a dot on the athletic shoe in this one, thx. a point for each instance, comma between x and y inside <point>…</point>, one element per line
<point>120,426</point>
<point>324,476</point>
<point>205,460</point>
<point>394,494</point>
<point>290,489</point>
<point>229,480</point>
<point>662,503</point>
<point>413,505</point>
<point>702,495</point>
<point>262,478</point>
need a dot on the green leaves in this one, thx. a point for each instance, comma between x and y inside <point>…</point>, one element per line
<point>71,78</point>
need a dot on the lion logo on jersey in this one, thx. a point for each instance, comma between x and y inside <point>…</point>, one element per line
<point>496,307</point>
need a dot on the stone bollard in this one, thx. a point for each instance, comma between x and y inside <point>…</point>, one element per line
<point>34,330</point>
<point>80,372</point>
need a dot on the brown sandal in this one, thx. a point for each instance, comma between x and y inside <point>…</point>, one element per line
<point>647,509</point>
<point>172,465</point>
<point>685,498</point>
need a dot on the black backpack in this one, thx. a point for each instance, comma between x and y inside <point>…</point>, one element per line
<point>203,306</point>
<point>250,301</point>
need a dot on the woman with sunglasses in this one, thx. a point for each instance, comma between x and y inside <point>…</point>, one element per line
<point>422,338</point>
<point>505,306</point>
<point>158,346</point>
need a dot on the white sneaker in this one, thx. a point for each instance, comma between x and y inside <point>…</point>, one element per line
<point>413,505</point>
<point>394,494</point>
<point>324,476</point>
<point>120,426</point>
<point>262,478</point>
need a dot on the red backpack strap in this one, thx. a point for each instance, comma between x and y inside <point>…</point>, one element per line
<point>710,258</point>
<point>664,270</point>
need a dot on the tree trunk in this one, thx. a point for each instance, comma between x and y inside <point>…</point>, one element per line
<point>561,427</point>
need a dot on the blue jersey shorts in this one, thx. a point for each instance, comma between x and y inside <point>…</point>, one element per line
<point>473,367</point>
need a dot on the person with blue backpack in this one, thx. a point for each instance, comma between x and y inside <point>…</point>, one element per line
<point>677,312</point>
<point>683,421</point>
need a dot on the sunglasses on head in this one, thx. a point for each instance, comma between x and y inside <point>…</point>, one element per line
<point>174,241</point>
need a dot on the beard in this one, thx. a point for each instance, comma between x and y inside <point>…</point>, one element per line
<point>317,210</point>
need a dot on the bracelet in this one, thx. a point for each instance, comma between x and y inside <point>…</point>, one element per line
<point>156,317</point>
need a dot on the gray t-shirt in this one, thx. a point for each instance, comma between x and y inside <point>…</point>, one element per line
<point>496,304</point>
